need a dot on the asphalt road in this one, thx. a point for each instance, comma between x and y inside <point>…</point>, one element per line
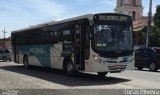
<point>15,76</point>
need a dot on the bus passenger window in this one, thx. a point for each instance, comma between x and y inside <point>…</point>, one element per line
<point>55,34</point>
<point>67,35</point>
<point>66,32</point>
<point>51,35</point>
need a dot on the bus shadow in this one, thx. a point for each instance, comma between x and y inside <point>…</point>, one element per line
<point>57,76</point>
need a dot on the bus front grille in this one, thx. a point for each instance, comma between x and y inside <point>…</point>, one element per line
<point>117,67</point>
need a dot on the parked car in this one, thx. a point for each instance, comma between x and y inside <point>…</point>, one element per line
<point>146,58</point>
<point>5,55</point>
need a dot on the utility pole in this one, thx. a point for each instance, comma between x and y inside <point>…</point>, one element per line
<point>149,24</point>
<point>4,33</point>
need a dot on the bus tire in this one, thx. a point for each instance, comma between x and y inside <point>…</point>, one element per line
<point>139,67</point>
<point>102,74</point>
<point>4,59</point>
<point>26,62</point>
<point>10,59</point>
<point>68,67</point>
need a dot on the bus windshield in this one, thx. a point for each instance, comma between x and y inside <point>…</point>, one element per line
<point>112,37</point>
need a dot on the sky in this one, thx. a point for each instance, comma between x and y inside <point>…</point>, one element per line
<point>19,14</point>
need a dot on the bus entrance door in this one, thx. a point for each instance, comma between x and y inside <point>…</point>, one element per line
<point>78,58</point>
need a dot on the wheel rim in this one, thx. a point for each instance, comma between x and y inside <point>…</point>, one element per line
<point>152,66</point>
<point>69,68</point>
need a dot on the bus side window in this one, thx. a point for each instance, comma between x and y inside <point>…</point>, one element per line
<point>18,39</point>
<point>60,39</point>
<point>41,36</point>
<point>51,35</point>
<point>67,35</point>
<point>56,36</point>
<point>34,37</point>
<point>38,35</point>
<point>29,38</point>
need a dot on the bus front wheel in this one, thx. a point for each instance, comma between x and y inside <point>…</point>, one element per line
<point>26,62</point>
<point>139,67</point>
<point>102,74</point>
<point>68,68</point>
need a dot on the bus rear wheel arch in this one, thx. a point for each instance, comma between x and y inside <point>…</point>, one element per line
<point>25,62</point>
<point>68,67</point>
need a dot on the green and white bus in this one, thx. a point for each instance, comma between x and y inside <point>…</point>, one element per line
<point>98,43</point>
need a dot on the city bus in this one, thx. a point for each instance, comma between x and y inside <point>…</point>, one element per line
<point>98,43</point>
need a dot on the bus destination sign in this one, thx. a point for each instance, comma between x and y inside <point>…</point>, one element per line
<point>112,18</point>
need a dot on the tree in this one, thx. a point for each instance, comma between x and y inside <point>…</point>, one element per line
<point>142,35</point>
<point>157,17</point>
<point>155,35</point>
<point>155,31</point>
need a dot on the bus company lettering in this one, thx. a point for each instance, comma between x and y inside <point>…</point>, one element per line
<point>36,50</point>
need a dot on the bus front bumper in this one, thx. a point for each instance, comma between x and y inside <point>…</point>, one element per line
<point>110,67</point>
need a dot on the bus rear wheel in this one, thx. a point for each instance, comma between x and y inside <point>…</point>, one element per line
<point>102,74</point>
<point>4,59</point>
<point>26,62</point>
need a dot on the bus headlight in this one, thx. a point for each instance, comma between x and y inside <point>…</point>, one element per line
<point>97,59</point>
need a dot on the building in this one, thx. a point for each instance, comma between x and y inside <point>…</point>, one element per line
<point>133,8</point>
<point>5,43</point>
<point>130,7</point>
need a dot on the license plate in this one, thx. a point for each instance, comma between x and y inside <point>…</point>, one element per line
<point>118,66</point>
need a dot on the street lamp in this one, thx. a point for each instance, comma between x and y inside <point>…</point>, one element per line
<point>4,32</point>
<point>149,24</point>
